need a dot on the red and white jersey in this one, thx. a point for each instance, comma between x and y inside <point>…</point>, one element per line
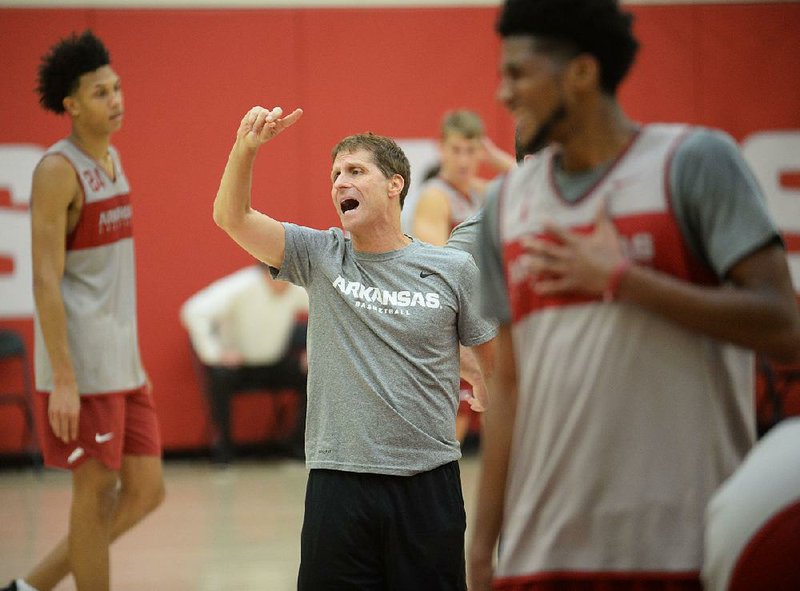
<point>630,421</point>
<point>462,205</point>
<point>99,283</point>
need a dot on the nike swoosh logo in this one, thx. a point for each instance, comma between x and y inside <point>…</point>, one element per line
<point>103,438</point>
<point>77,453</point>
<point>423,274</point>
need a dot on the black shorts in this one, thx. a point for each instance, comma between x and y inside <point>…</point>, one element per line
<point>393,533</point>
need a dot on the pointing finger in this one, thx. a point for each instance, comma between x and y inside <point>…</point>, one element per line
<point>291,118</point>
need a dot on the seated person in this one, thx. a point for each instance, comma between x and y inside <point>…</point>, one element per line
<point>249,332</point>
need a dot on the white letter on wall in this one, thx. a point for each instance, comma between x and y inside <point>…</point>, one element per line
<point>772,154</point>
<point>17,162</point>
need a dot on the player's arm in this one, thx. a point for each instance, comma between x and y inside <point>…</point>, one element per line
<point>499,159</point>
<point>432,218</point>
<point>496,432</point>
<point>55,187</point>
<point>755,309</point>
<point>726,221</point>
<point>476,365</point>
<point>259,234</point>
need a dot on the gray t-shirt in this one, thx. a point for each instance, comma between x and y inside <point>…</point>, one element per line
<point>383,335</point>
<point>465,235</point>
<point>716,200</point>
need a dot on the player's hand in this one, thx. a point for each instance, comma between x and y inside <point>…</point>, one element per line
<point>63,411</point>
<point>260,125</point>
<point>148,385</point>
<point>479,398</point>
<point>498,159</point>
<point>572,262</point>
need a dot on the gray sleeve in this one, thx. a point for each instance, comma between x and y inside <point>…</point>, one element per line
<point>473,327</point>
<point>718,202</point>
<point>300,247</point>
<point>465,235</point>
<point>494,295</point>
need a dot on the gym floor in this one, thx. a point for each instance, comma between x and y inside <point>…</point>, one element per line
<point>235,528</point>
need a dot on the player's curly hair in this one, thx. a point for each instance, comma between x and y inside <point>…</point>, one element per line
<point>62,67</point>
<point>596,27</point>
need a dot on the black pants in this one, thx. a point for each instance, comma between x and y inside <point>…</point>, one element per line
<point>222,383</point>
<point>370,532</point>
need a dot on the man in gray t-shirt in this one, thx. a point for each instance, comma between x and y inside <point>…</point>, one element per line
<point>387,314</point>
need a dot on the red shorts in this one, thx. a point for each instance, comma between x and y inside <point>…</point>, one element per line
<point>109,427</point>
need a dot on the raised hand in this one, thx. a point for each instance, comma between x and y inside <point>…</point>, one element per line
<point>495,157</point>
<point>260,125</point>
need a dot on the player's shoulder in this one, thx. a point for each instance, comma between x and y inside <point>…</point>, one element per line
<point>705,150</point>
<point>54,164</point>
<point>706,141</point>
<point>432,193</point>
<point>55,178</point>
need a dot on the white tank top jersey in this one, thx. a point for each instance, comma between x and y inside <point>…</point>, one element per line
<point>99,284</point>
<point>462,205</point>
<point>631,422</point>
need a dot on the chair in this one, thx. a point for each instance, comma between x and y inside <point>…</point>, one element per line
<point>218,411</point>
<point>12,349</point>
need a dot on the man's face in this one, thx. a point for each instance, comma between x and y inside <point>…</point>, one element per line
<point>460,157</point>
<point>359,189</point>
<point>531,89</point>
<point>97,102</point>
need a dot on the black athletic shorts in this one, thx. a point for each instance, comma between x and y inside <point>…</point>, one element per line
<point>393,533</point>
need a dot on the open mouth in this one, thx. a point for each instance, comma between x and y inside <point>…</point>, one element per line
<point>348,205</point>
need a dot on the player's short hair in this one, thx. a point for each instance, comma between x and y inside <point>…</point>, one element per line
<point>462,122</point>
<point>62,67</point>
<point>386,154</point>
<point>571,27</point>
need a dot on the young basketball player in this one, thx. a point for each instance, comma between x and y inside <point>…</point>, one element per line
<point>98,416</point>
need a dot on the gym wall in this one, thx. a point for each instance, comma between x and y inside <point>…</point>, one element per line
<point>189,74</point>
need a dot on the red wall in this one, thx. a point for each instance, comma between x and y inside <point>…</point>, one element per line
<point>189,76</point>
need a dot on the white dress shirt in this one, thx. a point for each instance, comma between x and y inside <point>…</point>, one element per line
<point>242,313</point>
